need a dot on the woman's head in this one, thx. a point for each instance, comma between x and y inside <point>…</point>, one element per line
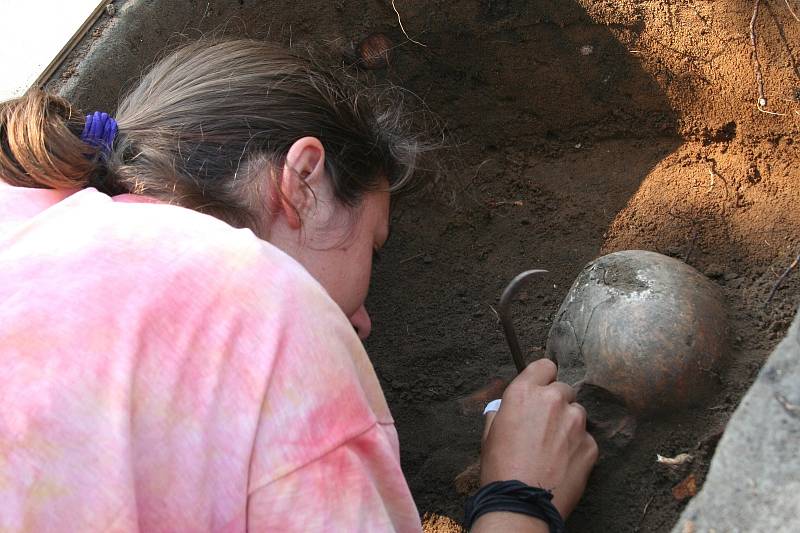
<point>215,116</point>
<point>242,130</point>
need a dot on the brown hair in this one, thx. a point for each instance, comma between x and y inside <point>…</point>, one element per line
<point>201,125</point>
<point>40,144</point>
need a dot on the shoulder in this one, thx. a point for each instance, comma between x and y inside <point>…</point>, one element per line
<point>154,258</point>
<point>167,274</point>
<point>159,240</point>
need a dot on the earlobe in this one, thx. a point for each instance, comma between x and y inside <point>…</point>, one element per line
<point>305,160</point>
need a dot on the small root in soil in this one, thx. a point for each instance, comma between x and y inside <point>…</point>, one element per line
<point>762,99</point>
<point>400,21</point>
<point>781,279</point>
<point>789,7</point>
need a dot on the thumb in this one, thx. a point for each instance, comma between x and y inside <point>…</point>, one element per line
<point>489,418</point>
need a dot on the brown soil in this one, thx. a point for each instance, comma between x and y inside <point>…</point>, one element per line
<point>651,141</point>
<point>573,128</point>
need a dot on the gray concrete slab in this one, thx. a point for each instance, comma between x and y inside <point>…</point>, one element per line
<point>121,46</point>
<point>754,480</point>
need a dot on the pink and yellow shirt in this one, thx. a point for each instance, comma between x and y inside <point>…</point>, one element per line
<point>163,371</point>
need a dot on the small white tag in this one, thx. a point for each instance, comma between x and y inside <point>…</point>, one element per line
<point>492,406</point>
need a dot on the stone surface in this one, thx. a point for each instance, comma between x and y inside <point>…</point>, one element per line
<point>754,480</point>
<point>118,48</point>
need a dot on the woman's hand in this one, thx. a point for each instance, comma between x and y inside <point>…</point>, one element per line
<point>539,437</point>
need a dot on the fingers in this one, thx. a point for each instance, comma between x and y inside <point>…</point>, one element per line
<point>488,419</point>
<point>592,449</point>
<point>553,394</point>
<point>579,414</point>
<point>539,436</point>
<point>565,391</point>
<point>557,394</point>
<point>541,372</point>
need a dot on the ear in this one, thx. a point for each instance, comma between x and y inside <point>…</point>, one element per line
<point>305,162</point>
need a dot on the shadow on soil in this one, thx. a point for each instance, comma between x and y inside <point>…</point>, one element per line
<point>551,126</point>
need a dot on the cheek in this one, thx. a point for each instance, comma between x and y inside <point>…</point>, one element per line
<point>359,276</point>
<point>346,276</point>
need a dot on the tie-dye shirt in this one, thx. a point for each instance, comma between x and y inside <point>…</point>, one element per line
<point>163,371</point>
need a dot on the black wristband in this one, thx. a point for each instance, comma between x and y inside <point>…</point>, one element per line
<point>514,497</point>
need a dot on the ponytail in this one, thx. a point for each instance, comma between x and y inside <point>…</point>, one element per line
<point>40,145</point>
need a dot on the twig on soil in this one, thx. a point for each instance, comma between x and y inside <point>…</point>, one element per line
<point>497,203</point>
<point>791,408</point>
<point>712,169</point>
<point>467,188</point>
<point>762,100</point>
<point>782,279</point>
<point>788,5</point>
<point>644,511</point>
<point>477,170</point>
<point>400,21</point>
<point>711,185</point>
<point>407,259</point>
<point>771,112</point>
<point>678,460</point>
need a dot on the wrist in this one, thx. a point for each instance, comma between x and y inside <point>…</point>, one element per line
<point>504,521</point>
<point>513,497</point>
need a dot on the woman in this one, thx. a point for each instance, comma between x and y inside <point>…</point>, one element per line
<point>175,349</point>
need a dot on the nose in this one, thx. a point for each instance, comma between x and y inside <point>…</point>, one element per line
<point>361,322</point>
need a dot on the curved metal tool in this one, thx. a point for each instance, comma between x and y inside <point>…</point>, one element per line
<point>504,312</point>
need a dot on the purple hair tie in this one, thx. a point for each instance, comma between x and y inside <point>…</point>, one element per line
<point>100,131</point>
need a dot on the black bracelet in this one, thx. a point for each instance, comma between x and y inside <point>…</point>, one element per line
<point>514,497</point>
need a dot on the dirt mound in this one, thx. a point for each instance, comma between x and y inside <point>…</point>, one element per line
<point>587,128</point>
